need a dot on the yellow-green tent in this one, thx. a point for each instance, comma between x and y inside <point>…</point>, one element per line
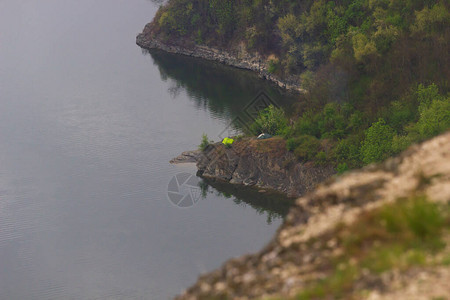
<point>227,141</point>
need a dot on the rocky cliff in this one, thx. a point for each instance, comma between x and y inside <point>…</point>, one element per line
<point>237,57</point>
<point>366,235</point>
<point>265,164</point>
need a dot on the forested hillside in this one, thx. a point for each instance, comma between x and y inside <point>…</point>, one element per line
<point>376,71</point>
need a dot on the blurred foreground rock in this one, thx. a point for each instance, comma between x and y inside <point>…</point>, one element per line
<point>296,254</point>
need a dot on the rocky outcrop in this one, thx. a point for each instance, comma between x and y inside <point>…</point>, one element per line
<point>187,157</point>
<point>265,164</point>
<point>306,241</point>
<point>238,57</point>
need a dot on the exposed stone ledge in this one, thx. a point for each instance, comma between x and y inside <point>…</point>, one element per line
<point>265,164</point>
<point>238,58</point>
<point>187,157</point>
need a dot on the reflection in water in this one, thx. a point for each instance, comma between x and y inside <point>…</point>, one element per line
<point>220,89</point>
<point>273,204</point>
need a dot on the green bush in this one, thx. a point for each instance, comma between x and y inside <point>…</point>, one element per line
<point>426,94</point>
<point>332,123</point>
<point>321,158</point>
<point>308,147</point>
<point>347,151</point>
<point>271,120</point>
<point>356,121</point>
<point>307,124</point>
<point>293,143</point>
<point>434,119</point>
<point>204,143</point>
<point>400,114</point>
<point>377,144</point>
<point>273,65</point>
<point>342,168</point>
<point>400,143</point>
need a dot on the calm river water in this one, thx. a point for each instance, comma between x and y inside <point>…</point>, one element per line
<point>88,124</point>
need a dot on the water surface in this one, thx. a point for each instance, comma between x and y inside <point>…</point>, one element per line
<point>88,124</point>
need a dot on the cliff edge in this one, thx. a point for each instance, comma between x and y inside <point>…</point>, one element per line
<point>381,232</point>
<point>265,164</point>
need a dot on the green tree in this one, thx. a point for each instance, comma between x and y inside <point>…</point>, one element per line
<point>222,13</point>
<point>431,20</point>
<point>307,124</point>
<point>377,144</point>
<point>347,151</point>
<point>363,47</point>
<point>426,94</point>
<point>332,123</point>
<point>434,119</point>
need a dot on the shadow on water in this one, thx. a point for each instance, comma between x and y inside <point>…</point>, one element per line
<point>275,205</point>
<point>224,91</point>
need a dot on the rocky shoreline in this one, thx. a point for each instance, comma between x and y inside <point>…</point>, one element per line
<point>238,58</point>
<point>265,164</point>
<point>187,157</point>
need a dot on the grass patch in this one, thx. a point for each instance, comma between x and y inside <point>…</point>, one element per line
<point>337,284</point>
<point>395,236</point>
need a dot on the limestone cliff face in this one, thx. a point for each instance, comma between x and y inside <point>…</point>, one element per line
<point>305,241</point>
<point>237,57</point>
<point>262,163</point>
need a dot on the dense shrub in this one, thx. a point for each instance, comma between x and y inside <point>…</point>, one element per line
<point>307,124</point>
<point>308,147</point>
<point>293,143</point>
<point>342,168</point>
<point>378,142</point>
<point>271,120</point>
<point>400,113</point>
<point>321,158</point>
<point>332,124</point>
<point>434,118</point>
<point>347,151</point>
